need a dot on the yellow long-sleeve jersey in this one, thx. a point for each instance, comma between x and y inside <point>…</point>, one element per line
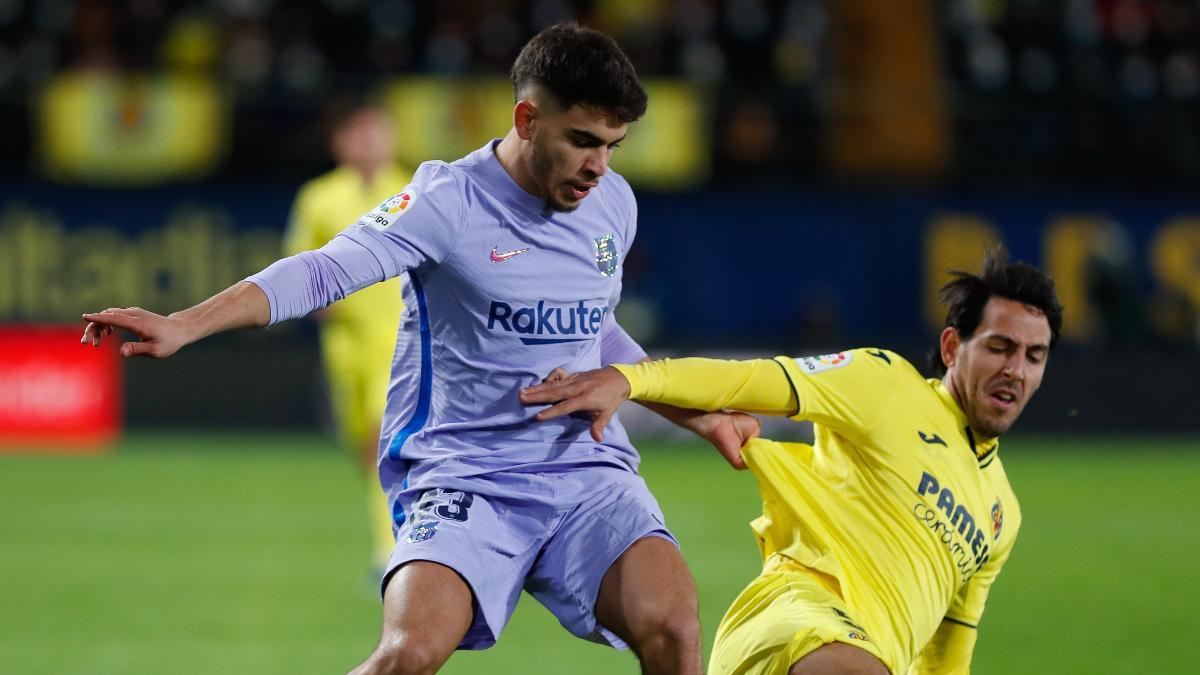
<point>896,499</point>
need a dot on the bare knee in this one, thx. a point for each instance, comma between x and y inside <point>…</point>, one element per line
<point>836,658</point>
<point>402,655</point>
<point>674,629</point>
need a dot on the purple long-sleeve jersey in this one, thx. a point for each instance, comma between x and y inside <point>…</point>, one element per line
<point>498,293</point>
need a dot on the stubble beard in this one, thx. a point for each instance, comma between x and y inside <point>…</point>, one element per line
<point>543,170</point>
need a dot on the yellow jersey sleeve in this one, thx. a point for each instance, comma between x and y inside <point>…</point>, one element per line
<point>948,652</point>
<point>848,392</point>
<point>967,606</point>
<point>757,386</point>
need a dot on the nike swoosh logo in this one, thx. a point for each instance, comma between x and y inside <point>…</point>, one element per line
<point>497,256</point>
<point>880,354</point>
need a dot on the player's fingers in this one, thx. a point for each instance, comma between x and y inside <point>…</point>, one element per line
<point>108,318</point>
<point>556,375</point>
<point>735,459</point>
<point>130,349</point>
<point>599,421</point>
<point>729,444</point>
<point>534,393</point>
<point>94,333</point>
<point>558,410</point>
<point>748,426</point>
<point>547,392</point>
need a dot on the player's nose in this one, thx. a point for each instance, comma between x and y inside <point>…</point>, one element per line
<point>596,164</point>
<point>1014,368</point>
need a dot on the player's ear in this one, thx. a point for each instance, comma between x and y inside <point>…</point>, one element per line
<point>525,115</point>
<point>950,342</point>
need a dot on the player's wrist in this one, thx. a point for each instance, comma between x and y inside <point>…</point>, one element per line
<point>626,380</point>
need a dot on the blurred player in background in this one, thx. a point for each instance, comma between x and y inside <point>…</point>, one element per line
<point>358,333</point>
<point>513,258</point>
<point>880,541</point>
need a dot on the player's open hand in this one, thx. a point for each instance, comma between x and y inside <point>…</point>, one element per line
<point>599,392</point>
<point>160,336</point>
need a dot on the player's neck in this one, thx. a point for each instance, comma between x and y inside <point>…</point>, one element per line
<point>952,387</point>
<point>367,173</point>
<point>508,153</point>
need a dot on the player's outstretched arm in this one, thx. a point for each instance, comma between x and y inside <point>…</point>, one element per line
<point>243,305</point>
<point>600,392</point>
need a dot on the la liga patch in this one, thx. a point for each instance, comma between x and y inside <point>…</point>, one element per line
<point>391,209</point>
<point>816,364</point>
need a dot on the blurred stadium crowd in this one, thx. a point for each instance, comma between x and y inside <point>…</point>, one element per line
<point>1076,89</point>
<point>810,167</point>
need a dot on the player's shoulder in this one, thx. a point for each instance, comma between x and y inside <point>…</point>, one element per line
<point>872,361</point>
<point>438,175</point>
<point>890,361</point>
<point>433,191</point>
<point>437,182</point>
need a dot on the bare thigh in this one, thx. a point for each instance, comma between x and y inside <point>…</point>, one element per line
<point>427,610</point>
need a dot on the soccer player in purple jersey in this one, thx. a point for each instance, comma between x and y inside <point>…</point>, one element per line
<point>512,258</point>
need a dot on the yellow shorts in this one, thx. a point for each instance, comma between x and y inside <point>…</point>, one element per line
<point>783,615</point>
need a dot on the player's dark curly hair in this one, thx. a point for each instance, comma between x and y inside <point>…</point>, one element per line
<point>967,295</point>
<point>578,65</point>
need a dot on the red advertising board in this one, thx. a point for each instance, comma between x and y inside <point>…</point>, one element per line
<point>56,394</point>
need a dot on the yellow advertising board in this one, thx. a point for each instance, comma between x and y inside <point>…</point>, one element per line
<point>121,129</point>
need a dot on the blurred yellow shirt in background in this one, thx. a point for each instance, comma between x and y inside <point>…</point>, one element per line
<point>358,333</point>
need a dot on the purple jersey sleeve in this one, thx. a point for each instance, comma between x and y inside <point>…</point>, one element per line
<point>616,346</point>
<point>410,230</point>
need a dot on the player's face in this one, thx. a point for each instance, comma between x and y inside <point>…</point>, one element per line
<point>996,372</point>
<point>571,150</point>
<point>365,140</point>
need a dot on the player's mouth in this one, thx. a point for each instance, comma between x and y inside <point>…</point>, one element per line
<point>580,189</point>
<point>1004,398</point>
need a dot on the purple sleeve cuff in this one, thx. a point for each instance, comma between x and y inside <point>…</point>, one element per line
<point>308,281</point>
<point>616,346</point>
<point>261,281</point>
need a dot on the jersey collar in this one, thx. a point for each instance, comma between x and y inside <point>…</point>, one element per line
<point>984,448</point>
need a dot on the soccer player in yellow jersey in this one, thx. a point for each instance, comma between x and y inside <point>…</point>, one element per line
<point>881,540</point>
<point>358,333</point>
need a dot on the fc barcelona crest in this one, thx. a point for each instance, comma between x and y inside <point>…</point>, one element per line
<point>422,532</point>
<point>607,256</point>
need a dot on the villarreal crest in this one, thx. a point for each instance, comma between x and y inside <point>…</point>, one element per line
<point>607,256</point>
<point>997,519</point>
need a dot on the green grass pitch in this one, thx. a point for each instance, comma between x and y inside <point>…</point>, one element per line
<point>207,553</point>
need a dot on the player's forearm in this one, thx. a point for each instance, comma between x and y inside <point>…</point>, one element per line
<point>243,305</point>
<point>758,386</point>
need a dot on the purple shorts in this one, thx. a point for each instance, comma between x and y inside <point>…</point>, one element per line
<point>553,534</point>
